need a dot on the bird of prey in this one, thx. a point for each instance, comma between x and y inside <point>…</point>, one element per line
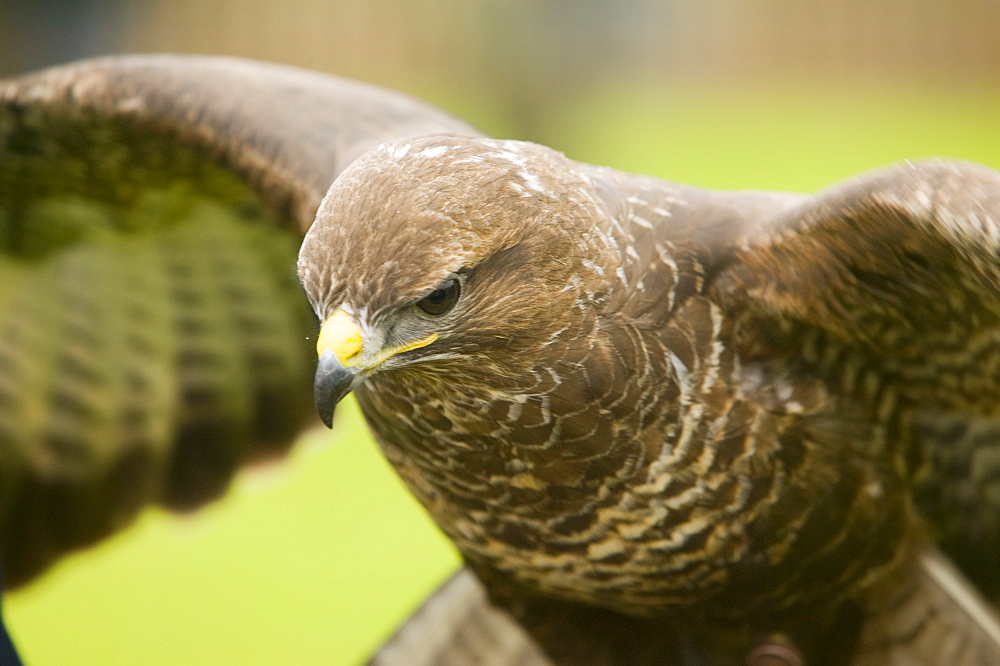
<point>661,424</point>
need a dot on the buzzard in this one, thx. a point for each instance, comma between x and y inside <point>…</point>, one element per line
<point>661,424</point>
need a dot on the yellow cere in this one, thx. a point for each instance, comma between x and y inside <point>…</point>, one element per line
<point>341,335</point>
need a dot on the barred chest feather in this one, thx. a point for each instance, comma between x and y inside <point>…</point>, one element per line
<point>585,484</point>
<point>700,407</point>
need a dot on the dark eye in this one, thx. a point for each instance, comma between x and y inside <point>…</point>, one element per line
<point>442,299</point>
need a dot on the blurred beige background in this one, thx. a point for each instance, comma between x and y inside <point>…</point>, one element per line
<point>507,61</point>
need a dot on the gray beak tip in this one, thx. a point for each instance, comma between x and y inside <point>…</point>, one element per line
<point>333,382</point>
<point>326,416</point>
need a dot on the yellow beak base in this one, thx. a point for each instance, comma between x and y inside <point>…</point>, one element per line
<point>342,336</point>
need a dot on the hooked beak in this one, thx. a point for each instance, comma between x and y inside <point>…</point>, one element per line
<point>341,368</point>
<point>337,373</point>
<point>333,382</point>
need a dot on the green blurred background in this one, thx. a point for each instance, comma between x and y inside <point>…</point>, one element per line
<point>314,561</point>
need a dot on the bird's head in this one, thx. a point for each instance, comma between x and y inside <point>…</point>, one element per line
<point>449,252</point>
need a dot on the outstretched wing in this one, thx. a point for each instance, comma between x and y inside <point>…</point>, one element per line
<point>903,264</point>
<point>900,274</point>
<point>153,337</point>
<point>888,290</point>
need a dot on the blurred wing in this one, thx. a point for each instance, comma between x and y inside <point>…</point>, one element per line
<point>153,337</point>
<point>936,617</point>
<point>458,625</point>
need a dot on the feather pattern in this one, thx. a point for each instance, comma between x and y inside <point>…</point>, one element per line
<point>708,409</point>
<point>662,424</point>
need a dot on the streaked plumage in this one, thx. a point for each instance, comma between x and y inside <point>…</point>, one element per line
<point>662,424</point>
<point>703,407</point>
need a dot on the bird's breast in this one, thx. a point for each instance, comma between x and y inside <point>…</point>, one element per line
<point>642,487</point>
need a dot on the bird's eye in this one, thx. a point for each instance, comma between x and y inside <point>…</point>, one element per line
<point>442,299</point>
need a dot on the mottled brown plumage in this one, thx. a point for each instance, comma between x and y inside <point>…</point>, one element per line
<point>662,424</point>
<point>713,409</point>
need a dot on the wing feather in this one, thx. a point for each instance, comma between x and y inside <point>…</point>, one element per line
<point>153,337</point>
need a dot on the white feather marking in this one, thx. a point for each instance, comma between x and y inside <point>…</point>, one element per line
<point>474,159</point>
<point>533,182</point>
<point>433,151</point>
<point>680,369</point>
<point>712,370</point>
<point>517,187</point>
<point>590,264</point>
<point>641,221</point>
<point>401,150</point>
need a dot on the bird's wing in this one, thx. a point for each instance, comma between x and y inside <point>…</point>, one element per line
<point>458,625</point>
<point>888,288</point>
<point>153,337</point>
<point>904,265</point>
<point>932,617</point>
<point>899,271</point>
